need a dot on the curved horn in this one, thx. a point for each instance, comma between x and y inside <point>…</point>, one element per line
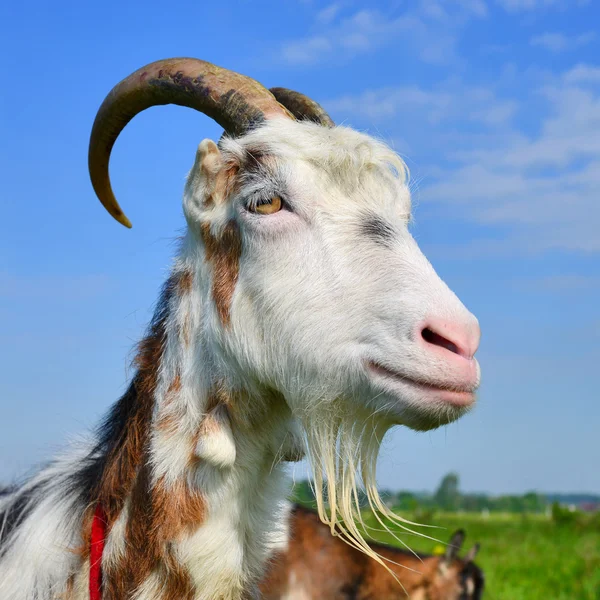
<point>302,107</point>
<point>234,101</point>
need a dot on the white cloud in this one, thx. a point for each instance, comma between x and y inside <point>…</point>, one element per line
<point>447,9</point>
<point>544,187</point>
<point>555,42</point>
<point>307,51</point>
<point>530,5</point>
<point>540,186</point>
<point>582,74</point>
<point>430,31</point>
<point>558,42</point>
<point>362,32</point>
<point>541,213</point>
<point>470,103</point>
<point>328,14</point>
<point>476,7</point>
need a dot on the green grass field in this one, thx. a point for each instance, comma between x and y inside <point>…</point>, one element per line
<point>523,557</point>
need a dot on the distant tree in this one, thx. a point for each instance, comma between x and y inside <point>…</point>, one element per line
<point>504,504</point>
<point>388,496</point>
<point>563,516</point>
<point>406,501</point>
<point>447,496</point>
<point>533,502</point>
<point>475,502</point>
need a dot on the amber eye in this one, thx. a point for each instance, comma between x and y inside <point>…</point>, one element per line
<point>267,207</point>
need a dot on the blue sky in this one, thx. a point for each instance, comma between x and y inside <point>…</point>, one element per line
<point>495,106</point>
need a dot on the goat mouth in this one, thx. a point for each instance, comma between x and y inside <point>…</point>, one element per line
<point>459,396</point>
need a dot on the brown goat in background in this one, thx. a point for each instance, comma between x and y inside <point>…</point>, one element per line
<point>317,566</point>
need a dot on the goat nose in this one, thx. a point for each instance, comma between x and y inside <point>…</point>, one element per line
<point>460,338</point>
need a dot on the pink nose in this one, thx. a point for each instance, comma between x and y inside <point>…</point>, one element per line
<point>461,339</point>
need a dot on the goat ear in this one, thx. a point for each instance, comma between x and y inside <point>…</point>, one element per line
<point>454,546</point>
<point>472,553</point>
<point>208,158</point>
<point>202,179</point>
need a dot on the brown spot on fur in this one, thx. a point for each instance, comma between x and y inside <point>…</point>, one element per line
<point>175,386</point>
<point>176,581</point>
<point>184,286</point>
<point>159,515</point>
<point>86,534</point>
<point>185,332</point>
<point>168,420</point>
<point>224,254</point>
<point>184,283</point>
<point>209,424</point>
<point>177,509</point>
<point>219,394</point>
<point>69,589</point>
<point>167,423</point>
<point>141,555</point>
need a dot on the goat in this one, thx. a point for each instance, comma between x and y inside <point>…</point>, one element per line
<point>314,565</point>
<point>300,316</point>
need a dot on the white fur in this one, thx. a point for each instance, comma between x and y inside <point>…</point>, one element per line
<point>115,545</point>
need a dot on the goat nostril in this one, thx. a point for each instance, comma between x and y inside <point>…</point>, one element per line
<point>438,340</point>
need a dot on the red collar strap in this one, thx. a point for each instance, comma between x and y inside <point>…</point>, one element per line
<point>96,549</point>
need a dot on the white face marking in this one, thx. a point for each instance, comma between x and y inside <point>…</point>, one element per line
<point>295,589</point>
<point>470,585</point>
<point>333,292</point>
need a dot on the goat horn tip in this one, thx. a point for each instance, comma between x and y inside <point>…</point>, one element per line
<point>125,221</point>
<point>121,218</point>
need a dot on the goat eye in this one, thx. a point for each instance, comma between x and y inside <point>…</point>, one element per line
<point>266,207</point>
